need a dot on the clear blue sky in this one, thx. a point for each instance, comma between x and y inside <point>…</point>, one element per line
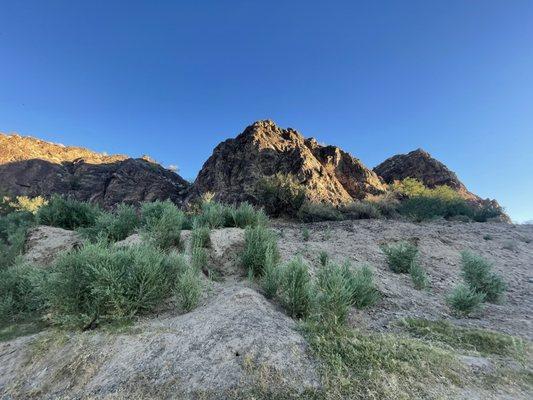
<point>173,78</point>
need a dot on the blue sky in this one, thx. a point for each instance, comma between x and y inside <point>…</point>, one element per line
<point>173,78</point>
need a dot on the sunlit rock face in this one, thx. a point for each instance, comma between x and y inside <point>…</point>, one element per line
<point>264,149</point>
<point>32,167</point>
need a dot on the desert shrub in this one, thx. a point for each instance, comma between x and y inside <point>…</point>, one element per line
<point>280,194</point>
<point>334,294</point>
<point>270,281</point>
<point>20,291</point>
<point>28,204</point>
<point>409,187</point>
<point>427,207</point>
<point>387,204</point>
<point>103,282</point>
<point>200,236</point>
<point>5,204</point>
<point>246,215</point>
<point>364,292</point>
<point>400,256</point>
<point>316,212</point>
<point>114,226</point>
<point>305,234</point>
<point>323,258</point>
<point>360,210</point>
<point>199,257</point>
<point>477,273</point>
<point>188,289</point>
<point>418,276</point>
<point>464,300</point>
<point>296,289</point>
<point>67,213</point>
<point>487,211</point>
<point>162,222</point>
<point>215,215</point>
<point>260,247</point>
<point>13,232</point>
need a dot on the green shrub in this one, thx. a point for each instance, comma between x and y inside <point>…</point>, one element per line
<point>323,258</point>
<point>20,291</point>
<point>296,290</point>
<point>429,207</point>
<point>13,232</point>
<point>270,280</point>
<point>215,215</point>
<point>400,256</point>
<point>5,204</point>
<point>103,282</point>
<point>199,258</point>
<point>362,286</point>
<point>113,226</point>
<point>245,215</point>
<point>418,276</point>
<point>360,210</point>
<point>464,300</point>
<point>316,212</point>
<point>334,294</point>
<point>386,204</point>
<point>200,236</point>
<point>477,273</point>
<point>280,194</point>
<point>67,213</point>
<point>305,234</point>
<point>188,289</point>
<point>260,247</point>
<point>163,222</point>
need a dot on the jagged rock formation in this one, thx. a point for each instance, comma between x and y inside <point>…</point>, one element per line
<point>420,165</point>
<point>263,149</point>
<point>33,167</point>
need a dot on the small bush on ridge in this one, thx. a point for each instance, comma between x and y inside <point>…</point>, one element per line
<point>281,194</point>
<point>13,232</point>
<point>418,276</point>
<point>188,288</point>
<point>114,226</point>
<point>400,256</point>
<point>362,286</point>
<point>296,290</point>
<point>163,222</point>
<point>260,247</point>
<point>67,213</point>
<point>477,273</point>
<point>464,300</point>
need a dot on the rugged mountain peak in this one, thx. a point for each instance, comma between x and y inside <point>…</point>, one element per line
<point>33,167</point>
<point>419,164</point>
<point>264,149</point>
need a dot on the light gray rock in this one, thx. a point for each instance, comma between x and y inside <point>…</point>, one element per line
<point>233,341</point>
<point>45,243</point>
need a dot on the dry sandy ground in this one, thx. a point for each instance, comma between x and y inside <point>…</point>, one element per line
<point>509,247</point>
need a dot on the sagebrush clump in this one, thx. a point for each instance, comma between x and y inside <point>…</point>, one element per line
<point>281,194</point>
<point>260,249</point>
<point>296,289</point>
<point>464,300</point>
<point>67,213</point>
<point>477,274</point>
<point>162,222</point>
<point>400,256</point>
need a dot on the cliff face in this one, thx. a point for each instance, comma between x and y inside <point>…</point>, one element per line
<point>33,167</point>
<point>263,149</point>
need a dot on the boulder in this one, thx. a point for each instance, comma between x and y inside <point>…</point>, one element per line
<point>45,243</point>
<point>237,340</point>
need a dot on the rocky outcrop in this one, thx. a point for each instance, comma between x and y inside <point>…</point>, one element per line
<point>420,165</point>
<point>237,340</point>
<point>32,167</point>
<point>264,149</point>
<point>45,243</point>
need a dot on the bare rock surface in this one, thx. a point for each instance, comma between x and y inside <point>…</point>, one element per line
<point>32,167</point>
<point>264,149</point>
<point>45,243</point>
<point>234,339</point>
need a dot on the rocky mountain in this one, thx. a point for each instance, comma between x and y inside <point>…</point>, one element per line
<point>420,165</point>
<point>263,149</point>
<point>32,167</point>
